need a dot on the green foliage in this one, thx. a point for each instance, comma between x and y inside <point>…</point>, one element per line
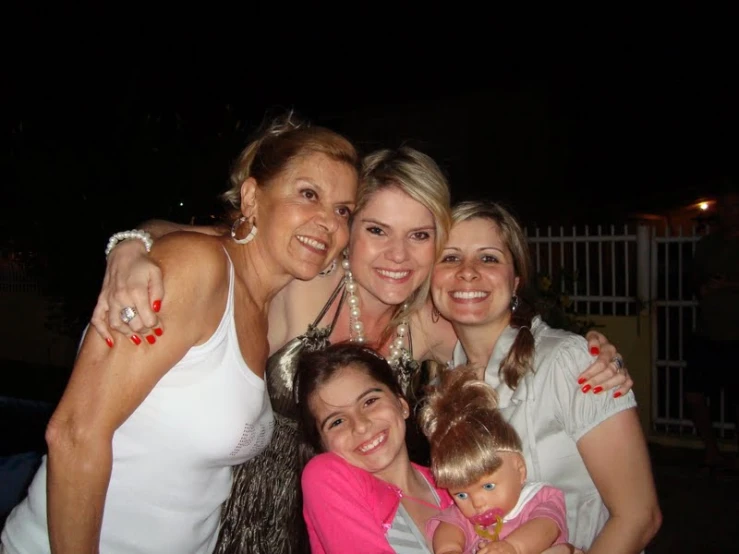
<point>552,300</point>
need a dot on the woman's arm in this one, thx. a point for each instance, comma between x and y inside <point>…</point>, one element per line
<point>615,454</point>
<point>134,279</point>
<point>106,387</point>
<point>438,341</point>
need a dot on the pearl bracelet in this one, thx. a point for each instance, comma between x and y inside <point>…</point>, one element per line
<point>143,236</point>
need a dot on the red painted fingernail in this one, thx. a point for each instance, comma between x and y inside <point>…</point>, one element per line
<point>151,339</point>
<point>586,388</point>
<point>109,342</point>
<point>156,305</point>
<point>596,390</point>
<point>616,394</point>
<point>581,380</point>
<point>158,332</point>
<point>594,350</point>
<point>135,339</point>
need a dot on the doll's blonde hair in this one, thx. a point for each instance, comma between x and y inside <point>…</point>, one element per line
<point>466,431</point>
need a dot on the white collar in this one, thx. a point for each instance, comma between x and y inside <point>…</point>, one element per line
<point>528,492</point>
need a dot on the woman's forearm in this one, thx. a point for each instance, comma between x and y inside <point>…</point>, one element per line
<point>627,535</point>
<point>77,483</point>
<point>157,228</point>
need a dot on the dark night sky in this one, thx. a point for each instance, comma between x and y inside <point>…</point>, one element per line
<point>107,126</point>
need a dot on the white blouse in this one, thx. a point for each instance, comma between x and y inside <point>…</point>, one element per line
<point>550,414</point>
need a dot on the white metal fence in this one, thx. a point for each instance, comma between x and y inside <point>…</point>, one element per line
<point>596,269</point>
<point>621,270</point>
<point>15,277</point>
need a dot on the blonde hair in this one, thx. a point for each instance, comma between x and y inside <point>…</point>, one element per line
<point>279,143</point>
<point>466,431</point>
<point>418,176</point>
<point>520,357</point>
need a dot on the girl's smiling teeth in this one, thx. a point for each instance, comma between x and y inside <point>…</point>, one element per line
<point>313,243</point>
<point>367,447</point>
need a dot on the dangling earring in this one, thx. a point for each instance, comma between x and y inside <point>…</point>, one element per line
<point>248,238</point>
<point>514,303</point>
<point>435,315</point>
<point>329,270</point>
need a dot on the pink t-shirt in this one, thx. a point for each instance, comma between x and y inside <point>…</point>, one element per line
<point>347,509</point>
<point>548,502</point>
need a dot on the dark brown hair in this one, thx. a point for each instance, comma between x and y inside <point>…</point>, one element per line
<point>317,368</point>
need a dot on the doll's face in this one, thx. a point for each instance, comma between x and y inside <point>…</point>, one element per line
<point>497,492</point>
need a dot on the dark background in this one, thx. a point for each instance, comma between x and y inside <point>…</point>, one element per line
<point>112,116</point>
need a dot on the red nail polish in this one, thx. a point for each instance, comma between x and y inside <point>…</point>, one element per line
<point>158,332</point>
<point>586,388</point>
<point>109,342</point>
<point>151,339</point>
<point>594,350</point>
<point>581,380</point>
<point>135,339</point>
<point>616,394</point>
<point>596,390</point>
<point>156,305</point>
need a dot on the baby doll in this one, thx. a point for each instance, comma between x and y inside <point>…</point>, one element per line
<point>477,456</point>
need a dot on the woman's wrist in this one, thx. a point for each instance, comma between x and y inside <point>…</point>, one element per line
<point>142,237</point>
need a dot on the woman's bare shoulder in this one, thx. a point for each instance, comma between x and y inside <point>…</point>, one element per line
<point>192,264</point>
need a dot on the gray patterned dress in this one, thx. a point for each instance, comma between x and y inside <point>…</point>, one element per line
<point>263,514</point>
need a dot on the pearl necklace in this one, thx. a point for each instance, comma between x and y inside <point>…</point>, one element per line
<point>398,350</point>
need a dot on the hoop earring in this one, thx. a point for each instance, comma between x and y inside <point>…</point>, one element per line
<point>435,315</point>
<point>514,303</point>
<point>329,270</point>
<point>248,238</point>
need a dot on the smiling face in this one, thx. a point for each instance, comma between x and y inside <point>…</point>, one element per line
<point>475,278</point>
<point>361,420</point>
<point>392,246</point>
<point>496,493</point>
<point>302,215</point>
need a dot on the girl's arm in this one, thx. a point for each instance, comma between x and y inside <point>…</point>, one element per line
<point>106,387</point>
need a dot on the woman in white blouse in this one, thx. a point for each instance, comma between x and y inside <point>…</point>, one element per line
<point>590,445</point>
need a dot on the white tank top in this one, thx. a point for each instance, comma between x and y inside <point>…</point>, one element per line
<point>172,458</point>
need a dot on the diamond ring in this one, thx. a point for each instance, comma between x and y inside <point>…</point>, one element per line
<point>127,314</point>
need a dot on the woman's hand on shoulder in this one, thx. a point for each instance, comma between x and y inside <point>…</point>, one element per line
<point>132,280</point>
<point>608,371</point>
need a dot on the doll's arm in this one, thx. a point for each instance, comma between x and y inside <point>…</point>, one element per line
<point>533,537</point>
<point>448,539</point>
